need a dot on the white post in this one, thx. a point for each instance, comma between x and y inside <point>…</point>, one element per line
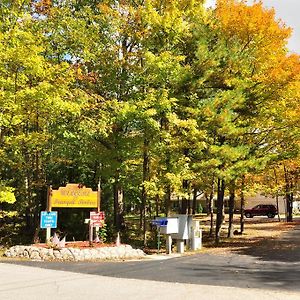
<point>169,244</point>
<point>200,239</point>
<point>180,246</point>
<point>48,234</point>
<point>193,239</point>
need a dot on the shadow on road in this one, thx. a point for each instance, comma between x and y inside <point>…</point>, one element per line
<point>264,263</point>
<point>285,249</point>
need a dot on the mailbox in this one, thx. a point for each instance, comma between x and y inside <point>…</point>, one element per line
<point>181,228</point>
<point>167,225</point>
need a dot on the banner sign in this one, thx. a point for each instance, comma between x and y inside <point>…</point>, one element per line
<point>97,218</point>
<point>74,195</point>
<point>48,219</point>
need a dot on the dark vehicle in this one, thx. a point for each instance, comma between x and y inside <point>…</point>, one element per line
<point>268,210</point>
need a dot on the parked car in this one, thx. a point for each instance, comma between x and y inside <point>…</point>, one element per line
<point>268,210</point>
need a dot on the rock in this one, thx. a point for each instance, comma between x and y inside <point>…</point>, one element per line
<point>141,252</point>
<point>43,253</point>
<point>57,254</point>
<point>87,254</point>
<point>121,252</point>
<point>25,254</point>
<point>35,255</point>
<point>66,254</point>
<point>75,254</point>
<point>50,254</point>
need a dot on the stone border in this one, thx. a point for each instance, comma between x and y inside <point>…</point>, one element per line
<point>75,254</point>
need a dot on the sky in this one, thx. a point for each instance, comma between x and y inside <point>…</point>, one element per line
<point>288,12</point>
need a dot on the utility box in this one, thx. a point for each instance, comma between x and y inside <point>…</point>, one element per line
<point>183,228</point>
<point>170,225</point>
<point>195,235</point>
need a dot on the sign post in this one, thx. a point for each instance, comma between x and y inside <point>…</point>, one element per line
<point>48,221</point>
<point>72,195</point>
<point>48,229</point>
<point>99,196</point>
<point>163,222</point>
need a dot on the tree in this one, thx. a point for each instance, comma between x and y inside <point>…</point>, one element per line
<point>233,82</point>
<point>35,92</point>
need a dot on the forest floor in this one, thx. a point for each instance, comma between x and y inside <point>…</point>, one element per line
<point>261,236</point>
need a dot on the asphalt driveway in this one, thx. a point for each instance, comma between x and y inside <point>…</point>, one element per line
<point>273,266</point>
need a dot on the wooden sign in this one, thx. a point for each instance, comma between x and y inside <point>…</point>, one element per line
<point>74,195</point>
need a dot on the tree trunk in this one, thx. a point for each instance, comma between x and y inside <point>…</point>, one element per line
<point>277,206</point>
<point>168,201</point>
<point>231,209</point>
<point>185,202</point>
<point>144,192</point>
<point>157,205</point>
<point>289,202</point>
<point>41,200</point>
<point>288,195</point>
<point>210,207</point>
<point>242,217</point>
<point>208,212</point>
<point>118,205</point>
<point>194,206</point>
<point>277,202</point>
<point>220,209</point>
<point>164,125</point>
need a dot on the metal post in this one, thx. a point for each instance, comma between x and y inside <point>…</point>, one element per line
<point>169,244</point>
<point>91,233</point>
<point>99,195</point>
<point>158,238</point>
<point>49,208</point>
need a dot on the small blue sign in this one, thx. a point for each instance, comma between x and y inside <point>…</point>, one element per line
<point>48,219</point>
<point>160,222</point>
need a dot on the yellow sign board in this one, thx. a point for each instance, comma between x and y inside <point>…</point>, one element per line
<point>74,195</point>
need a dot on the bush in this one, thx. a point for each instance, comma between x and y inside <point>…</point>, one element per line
<point>199,208</point>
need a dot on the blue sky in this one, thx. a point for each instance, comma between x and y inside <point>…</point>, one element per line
<point>288,11</point>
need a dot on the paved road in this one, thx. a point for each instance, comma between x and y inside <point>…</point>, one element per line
<point>27,283</point>
<point>232,271</point>
<point>272,270</point>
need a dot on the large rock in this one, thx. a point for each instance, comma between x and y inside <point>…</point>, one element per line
<point>75,254</point>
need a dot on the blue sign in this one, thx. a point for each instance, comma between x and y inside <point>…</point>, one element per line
<point>160,222</point>
<point>48,219</point>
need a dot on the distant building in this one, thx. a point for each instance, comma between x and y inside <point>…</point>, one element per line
<point>250,201</point>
